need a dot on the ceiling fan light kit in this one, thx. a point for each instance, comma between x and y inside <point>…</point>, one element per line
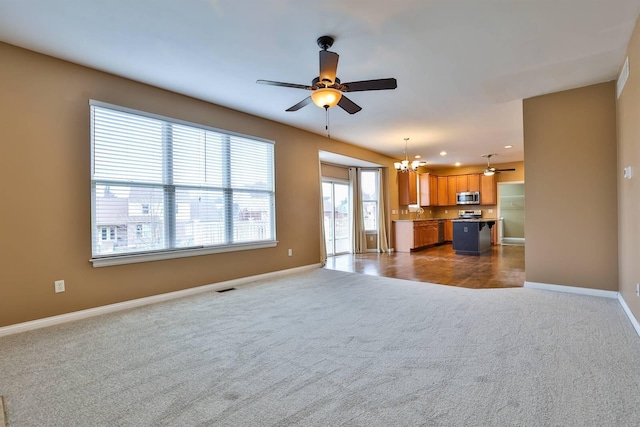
<point>490,171</point>
<point>326,97</point>
<point>326,89</point>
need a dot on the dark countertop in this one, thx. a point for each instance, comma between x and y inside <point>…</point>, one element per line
<point>422,219</point>
<point>475,219</point>
<point>449,219</point>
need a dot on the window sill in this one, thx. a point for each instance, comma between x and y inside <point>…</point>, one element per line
<point>107,261</point>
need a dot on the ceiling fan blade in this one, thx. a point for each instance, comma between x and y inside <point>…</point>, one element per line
<point>300,104</point>
<point>348,105</point>
<point>505,170</point>
<point>378,84</point>
<point>292,85</point>
<point>328,65</point>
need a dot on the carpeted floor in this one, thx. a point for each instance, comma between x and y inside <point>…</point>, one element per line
<point>2,419</point>
<point>329,348</point>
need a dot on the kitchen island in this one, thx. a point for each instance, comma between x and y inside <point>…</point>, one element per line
<point>472,236</point>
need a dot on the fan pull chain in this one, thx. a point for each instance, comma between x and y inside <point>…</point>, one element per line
<point>326,126</point>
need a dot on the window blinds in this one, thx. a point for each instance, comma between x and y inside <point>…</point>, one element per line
<point>159,184</point>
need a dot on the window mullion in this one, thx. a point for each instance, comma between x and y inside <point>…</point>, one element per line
<point>169,188</point>
<point>228,192</point>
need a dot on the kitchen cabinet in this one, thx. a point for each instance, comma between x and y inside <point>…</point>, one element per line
<point>425,233</point>
<point>451,190</point>
<point>428,190</point>
<point>468,182</point>
<point>447,190</point>
<point>407,188</point>
<point>488,190</point>
<point>415,235</point>
<point>462,183</point>
<point>494,234</point>
<point>448,230</point>
<point>473,182</point>
<point>443,191</point>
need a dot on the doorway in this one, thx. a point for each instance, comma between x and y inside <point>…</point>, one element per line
<point>337,217</point>
<point>511,202</point>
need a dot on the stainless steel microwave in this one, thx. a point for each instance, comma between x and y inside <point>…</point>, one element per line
<point>468,198</point>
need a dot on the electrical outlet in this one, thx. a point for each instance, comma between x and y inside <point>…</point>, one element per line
<point>290,252</point>
<point>490,210</point>
<point>58,286</point>
<point>446,211</point>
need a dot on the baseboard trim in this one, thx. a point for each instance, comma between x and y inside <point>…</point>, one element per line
<point>630,315</point>
<point>97,311</point>
<point>571,289</point>
<point>591,292</point>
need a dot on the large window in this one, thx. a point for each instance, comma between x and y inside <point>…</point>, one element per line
<point>337,217</point>
<point>369,187</point>
<point>162,186</point>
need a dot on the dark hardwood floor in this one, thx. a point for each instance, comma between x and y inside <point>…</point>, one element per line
<point>503,267</point>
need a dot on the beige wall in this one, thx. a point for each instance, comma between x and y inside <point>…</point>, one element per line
<point>628,106</point>
<point>570,178</point>
<point>45,190</point>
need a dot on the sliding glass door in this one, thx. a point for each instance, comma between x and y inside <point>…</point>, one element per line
<point>337,217</point>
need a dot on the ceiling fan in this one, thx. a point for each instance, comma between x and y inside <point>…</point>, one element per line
<point>326,89</point>
<point>491,170</point>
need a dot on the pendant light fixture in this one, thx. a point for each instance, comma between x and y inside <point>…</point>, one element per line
<point>405,166</point>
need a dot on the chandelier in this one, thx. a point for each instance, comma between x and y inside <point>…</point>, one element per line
<point>405,166</point>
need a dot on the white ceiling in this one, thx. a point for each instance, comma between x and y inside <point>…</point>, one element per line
<point>463,66</point>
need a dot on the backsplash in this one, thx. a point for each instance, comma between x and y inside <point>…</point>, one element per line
<point>438,212</point>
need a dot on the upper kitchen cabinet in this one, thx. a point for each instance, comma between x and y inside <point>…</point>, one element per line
<point>429,190</point>
<point>407,188</point>
<point>469,182</point>
<point>443,191</point>
<point>473,182</point>
<point>447,188</point>
<point>451,190</point>
<point>488,190</point>
<point>462,183</point>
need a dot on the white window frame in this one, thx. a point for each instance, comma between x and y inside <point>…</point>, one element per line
<point>376,200</point>
<point>103,260</point>
<point>333,182</point>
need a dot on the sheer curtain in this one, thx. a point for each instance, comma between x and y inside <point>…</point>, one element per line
<point>359,241</point>
<point>323,245</point>
<point>383,240</point>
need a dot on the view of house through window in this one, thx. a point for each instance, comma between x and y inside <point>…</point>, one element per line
<point>369,188</point>
<point>337,217</point>
<point>160,185</point>
<point>338,210</point>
